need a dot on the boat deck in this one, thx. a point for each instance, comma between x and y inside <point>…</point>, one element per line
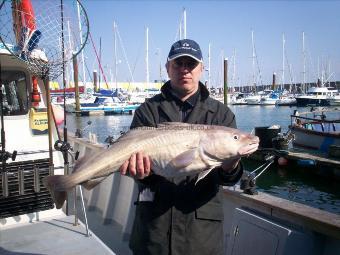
<point>54,236</point>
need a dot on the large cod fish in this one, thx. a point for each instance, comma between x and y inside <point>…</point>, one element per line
<point>175,149</point>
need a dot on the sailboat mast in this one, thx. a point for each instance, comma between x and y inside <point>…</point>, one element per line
<point>304,62</point>
<point>147,56</point>
<point>322,70</point>
<point>234,70</point>
<point>222,69</point>
<point>283,61</point>
<point>184,23</point>
<point>115,52</point>
<point>209,65</point>
<point>100,61</point>
<point>81,42</point>
<point>253,47</point>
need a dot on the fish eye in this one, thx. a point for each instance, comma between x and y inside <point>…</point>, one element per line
<point>235,137</point>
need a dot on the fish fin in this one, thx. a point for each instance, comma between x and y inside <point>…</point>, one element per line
<point>203,174</point>
<point>86,158</point>
<point>93,183</point>
<point>78,163</point>
<point>184,159</point>
<point>136,133</point>
<point>58,193</point>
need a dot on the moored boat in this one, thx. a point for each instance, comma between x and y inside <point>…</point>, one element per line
<point>257,98</point>
<point>316,130</point>
<point>253,100</point>
<point>104,105</point>
<point>316,96</point>
<point>288,100</point>
<point>333,100</point>
<point>270,99</point>
<point>239,98</point>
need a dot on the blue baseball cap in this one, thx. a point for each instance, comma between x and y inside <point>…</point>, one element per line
<point>185,47</point>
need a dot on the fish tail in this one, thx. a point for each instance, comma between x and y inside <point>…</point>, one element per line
<point>58,185</point>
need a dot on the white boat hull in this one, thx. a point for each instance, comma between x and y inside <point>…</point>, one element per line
<point>268,102</point>
<point>334,101</point>
<point>286,102</point>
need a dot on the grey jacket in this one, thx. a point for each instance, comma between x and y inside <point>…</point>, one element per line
<point>183,218</point>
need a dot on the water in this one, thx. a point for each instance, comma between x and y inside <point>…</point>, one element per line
<point>290,183</point>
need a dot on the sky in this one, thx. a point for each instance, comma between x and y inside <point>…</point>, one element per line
<point>227,26</point>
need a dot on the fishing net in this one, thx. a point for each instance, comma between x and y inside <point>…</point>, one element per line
<point>45,34</point>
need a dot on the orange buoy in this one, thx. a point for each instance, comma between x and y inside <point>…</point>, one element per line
<point>282,161</point>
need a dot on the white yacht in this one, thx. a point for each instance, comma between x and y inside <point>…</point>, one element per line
<point>286,100</point>
<point>270,99</point>
<point>334,99</point>
<point>239,98</point>
<point>256,99</point>
<point>316,96</point>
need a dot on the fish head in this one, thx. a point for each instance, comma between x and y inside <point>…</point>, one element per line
<point>222,143</point>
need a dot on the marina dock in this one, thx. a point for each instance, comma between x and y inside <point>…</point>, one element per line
<point>105,112</point>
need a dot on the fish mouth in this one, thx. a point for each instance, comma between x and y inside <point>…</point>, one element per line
<point>249,149</point>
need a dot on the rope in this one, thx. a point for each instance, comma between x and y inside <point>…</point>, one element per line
<point>100,65</point>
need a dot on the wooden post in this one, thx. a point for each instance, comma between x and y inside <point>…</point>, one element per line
<point>76,85</point>
<point>274,81</point>
<point>49,121</point>
<point>95,87</point>
<point>225,81</point>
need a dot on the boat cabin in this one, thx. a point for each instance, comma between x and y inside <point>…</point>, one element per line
<point>321,91</point>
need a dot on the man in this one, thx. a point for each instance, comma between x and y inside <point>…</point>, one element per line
<point>180,217</point>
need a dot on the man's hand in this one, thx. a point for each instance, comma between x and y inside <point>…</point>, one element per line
<point>139,166</point>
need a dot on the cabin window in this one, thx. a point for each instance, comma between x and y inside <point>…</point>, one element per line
<point>14,91</point>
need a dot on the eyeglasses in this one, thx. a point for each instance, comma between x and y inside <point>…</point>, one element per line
<point>189,64</point>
